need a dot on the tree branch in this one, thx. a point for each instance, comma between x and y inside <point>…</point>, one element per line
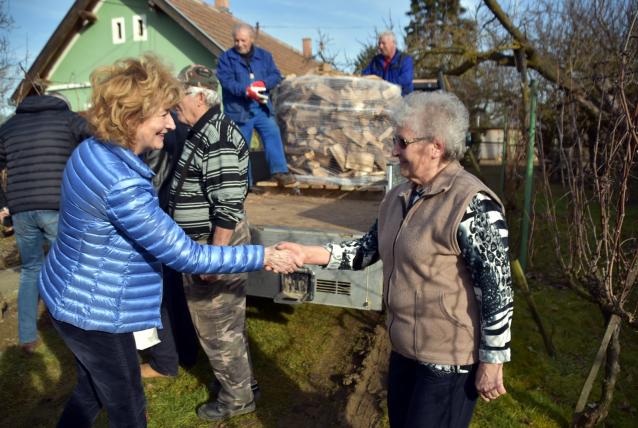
<point>494,55</point>
<point>543,65</point>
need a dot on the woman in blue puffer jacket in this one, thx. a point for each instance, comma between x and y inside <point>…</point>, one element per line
<point>102,278</point>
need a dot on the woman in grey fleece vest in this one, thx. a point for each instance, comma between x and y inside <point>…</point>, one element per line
<point>443,241</point>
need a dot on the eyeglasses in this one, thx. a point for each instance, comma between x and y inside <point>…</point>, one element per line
<point>403,143</point>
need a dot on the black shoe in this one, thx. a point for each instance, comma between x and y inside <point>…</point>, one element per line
<point>217,411</point>
<point>214,387</point>
<point>284,178</point>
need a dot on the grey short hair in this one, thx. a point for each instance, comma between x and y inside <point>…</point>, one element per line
<point>388,34</point>
<point>243,26</point>
<point>435,115</point>
<point>211,98</point>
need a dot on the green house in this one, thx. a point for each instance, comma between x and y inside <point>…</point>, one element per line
<point>181,32</point>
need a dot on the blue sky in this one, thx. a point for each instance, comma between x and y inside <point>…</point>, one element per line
<point>347,23</point>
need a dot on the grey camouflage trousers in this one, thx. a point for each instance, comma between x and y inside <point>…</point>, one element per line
<point>218,310</point>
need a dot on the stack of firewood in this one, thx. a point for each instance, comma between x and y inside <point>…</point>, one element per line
<point>336,125</point>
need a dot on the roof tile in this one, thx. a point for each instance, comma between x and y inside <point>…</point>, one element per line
<point>219,25</point>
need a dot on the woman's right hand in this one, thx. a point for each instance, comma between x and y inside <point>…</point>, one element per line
<point>281,261</point>
<point>4,213</point>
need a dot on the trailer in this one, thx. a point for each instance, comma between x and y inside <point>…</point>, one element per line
<point>313,284</point>
<point>317,221</point>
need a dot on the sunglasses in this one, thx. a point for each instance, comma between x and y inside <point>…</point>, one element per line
<point>403,143</point>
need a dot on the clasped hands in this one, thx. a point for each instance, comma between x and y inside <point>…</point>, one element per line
<point>284,257</point>
<point>280,260</point>
<point>256,92</point>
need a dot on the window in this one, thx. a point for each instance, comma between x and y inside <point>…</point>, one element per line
<point>139,28</point>
<point>117,28</point>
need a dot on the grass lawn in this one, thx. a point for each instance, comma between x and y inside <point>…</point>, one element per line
<point>301,355</point>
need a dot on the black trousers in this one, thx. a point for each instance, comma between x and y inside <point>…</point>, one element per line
<point>108,377</point>
<point>419,396</point>
<point>178,340</point>
<point>163,357</point>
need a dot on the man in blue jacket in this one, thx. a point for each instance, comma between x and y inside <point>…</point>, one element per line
<point>247,75</point>
<point>391,64</point>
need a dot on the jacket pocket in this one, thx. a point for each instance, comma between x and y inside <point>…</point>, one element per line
<point>449,315</point>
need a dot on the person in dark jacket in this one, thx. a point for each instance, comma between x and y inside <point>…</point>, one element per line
<point>247,74</point>
<point>391,64</point>
<point>178,341</point>
<point>102,278</point>
<point>34,146</point>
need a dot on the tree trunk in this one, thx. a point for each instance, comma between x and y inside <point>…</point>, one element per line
<point>596,413</point>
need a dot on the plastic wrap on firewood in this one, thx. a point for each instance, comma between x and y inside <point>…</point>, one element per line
<point>343,120</point>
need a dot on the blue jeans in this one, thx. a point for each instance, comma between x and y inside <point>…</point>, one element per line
<point>419,396</point>
<point>268,130</point>
<point>32,228</point>
<point>108,376</point>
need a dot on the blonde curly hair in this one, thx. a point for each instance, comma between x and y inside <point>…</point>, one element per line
<point>128,92</point>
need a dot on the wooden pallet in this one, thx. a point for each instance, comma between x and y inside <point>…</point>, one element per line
<point>324,186</point>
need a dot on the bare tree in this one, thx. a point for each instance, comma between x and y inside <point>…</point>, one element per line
<point>593,242</point>
<point>5,64</point>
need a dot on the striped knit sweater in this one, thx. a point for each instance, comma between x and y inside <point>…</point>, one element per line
<point>215,181</point>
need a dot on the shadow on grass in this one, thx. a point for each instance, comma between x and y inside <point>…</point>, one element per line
<point>267,310</point>
<point>286,398</point>
<point>34,388</point>
<point>528,401</point>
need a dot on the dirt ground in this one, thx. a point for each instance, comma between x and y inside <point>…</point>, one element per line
<point>349,381</point>
<point>360,403</point>
<point>316,210</point>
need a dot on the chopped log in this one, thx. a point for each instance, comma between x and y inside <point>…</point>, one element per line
<point>320,172</point>
<point>380,158</point>
<point>369,138</point>
<point>339,154</point>
<point>391,92</point>
<point>386,134</point>
<point>354,137</point>
<point>360,161</point>
<point>311,164</point>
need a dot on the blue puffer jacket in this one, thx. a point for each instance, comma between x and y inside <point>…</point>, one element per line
<point>400,71</point>
<point>104,271</point>
<point>234,76</point>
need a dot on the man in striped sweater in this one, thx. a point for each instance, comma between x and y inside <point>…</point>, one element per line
<point>207,200</point>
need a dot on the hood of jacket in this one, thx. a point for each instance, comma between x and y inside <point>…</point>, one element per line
<point>38,103</point>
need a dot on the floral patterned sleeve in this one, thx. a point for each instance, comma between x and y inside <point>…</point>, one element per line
<point>355,254</point>
<point>483,239</point>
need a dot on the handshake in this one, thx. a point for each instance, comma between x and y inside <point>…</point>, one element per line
<point>280,260</point>
<point>286,257</point>
<point>256,91</point>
